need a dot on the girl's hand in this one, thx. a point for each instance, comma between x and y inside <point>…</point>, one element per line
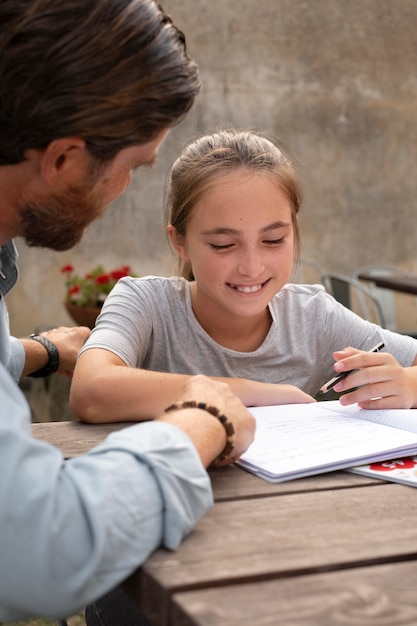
<point>288,394</point>
<point>382,382</point>
<point>256,393</point>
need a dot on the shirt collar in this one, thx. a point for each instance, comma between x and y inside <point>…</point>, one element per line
<point>8,268</point>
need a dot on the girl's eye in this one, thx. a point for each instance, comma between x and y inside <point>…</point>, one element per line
<point>274,242</point>
<point>220,247</point>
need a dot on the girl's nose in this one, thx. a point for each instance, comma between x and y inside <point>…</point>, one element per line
<point>251,263</point>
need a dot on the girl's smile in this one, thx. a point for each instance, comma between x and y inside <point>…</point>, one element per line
<point>248,289</point>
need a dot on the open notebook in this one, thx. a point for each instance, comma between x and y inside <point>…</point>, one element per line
<point>296,440</point>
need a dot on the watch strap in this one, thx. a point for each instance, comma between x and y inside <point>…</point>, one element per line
<point>53,356</point>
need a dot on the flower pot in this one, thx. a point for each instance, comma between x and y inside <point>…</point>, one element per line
<point>83,315</point>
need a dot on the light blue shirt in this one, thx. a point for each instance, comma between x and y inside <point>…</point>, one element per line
<point>12,353</point>
<point>72,530</point>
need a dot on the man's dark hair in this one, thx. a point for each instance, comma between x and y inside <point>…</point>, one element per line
<point>114,72</point>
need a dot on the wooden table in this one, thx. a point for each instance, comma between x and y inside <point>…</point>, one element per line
<point>405,284</point>
<point>335,549</point>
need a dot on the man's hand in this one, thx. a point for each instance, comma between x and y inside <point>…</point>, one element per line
<point>68,340</point>
<point>206,431</point>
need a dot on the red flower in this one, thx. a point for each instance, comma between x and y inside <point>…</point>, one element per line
<point>102,279</point>
<point>92,288</point>
<point>121,272</point>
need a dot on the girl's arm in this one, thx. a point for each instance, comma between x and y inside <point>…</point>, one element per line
<point>381,382</point>
<point>104,389</point>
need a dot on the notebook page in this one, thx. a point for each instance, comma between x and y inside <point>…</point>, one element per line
<point>406,419</point>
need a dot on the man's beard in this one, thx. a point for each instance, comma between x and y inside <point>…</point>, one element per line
<point>58,222</point>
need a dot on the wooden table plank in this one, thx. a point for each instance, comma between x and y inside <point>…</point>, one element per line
<point>383,595</point>
<point>74,438</point>
<point>232,483</point>
<point>268,536</point>
<point>251,540</point>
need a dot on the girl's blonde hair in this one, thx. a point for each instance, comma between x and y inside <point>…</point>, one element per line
<point>211,157</point>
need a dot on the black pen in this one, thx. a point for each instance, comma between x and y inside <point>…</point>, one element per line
<point>333,381</point>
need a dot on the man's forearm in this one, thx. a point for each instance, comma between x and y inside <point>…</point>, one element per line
<point>36,356</point>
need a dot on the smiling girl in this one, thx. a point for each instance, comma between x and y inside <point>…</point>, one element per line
<point>232,204</point>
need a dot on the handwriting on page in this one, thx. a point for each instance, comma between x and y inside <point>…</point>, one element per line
<point>397,418</point>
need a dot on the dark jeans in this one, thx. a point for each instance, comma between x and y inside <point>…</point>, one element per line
<point>114,609</point>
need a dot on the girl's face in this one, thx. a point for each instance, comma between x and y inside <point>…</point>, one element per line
<point>240,243</point>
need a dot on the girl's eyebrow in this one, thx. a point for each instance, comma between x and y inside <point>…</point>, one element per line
<point>222,230</point>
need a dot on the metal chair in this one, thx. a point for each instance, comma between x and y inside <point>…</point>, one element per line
<point>355,296</point>
<point>386,297</point>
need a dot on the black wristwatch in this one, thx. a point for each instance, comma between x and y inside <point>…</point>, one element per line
<point>53,363</point>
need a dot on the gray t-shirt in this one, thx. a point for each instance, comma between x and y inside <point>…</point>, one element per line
<point>149,323</point>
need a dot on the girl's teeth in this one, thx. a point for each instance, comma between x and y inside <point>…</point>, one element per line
<point>248,289</point>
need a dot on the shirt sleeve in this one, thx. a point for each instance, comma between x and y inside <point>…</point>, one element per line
<point>12,353</point>
<point>72,530</point>
<point>126,322</point>
<point>17,358</point>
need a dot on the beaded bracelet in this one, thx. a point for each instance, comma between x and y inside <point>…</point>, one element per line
<point>213,410</point>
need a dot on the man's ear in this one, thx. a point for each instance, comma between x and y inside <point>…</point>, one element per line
<point>64,160</point>
<point>177,242</point>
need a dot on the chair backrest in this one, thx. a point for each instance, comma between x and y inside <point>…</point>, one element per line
<point>386,297</point>
<point>355,296</point>
<point>307,272</point>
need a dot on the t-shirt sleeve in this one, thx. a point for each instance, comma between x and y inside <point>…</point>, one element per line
<point>125,323</point>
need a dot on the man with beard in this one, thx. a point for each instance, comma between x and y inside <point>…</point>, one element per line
<point>88,91</point>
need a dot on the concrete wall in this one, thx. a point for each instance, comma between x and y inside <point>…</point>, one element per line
<point>334,81</point>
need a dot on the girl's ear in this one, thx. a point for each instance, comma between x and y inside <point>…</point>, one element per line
<point>178,242</point>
